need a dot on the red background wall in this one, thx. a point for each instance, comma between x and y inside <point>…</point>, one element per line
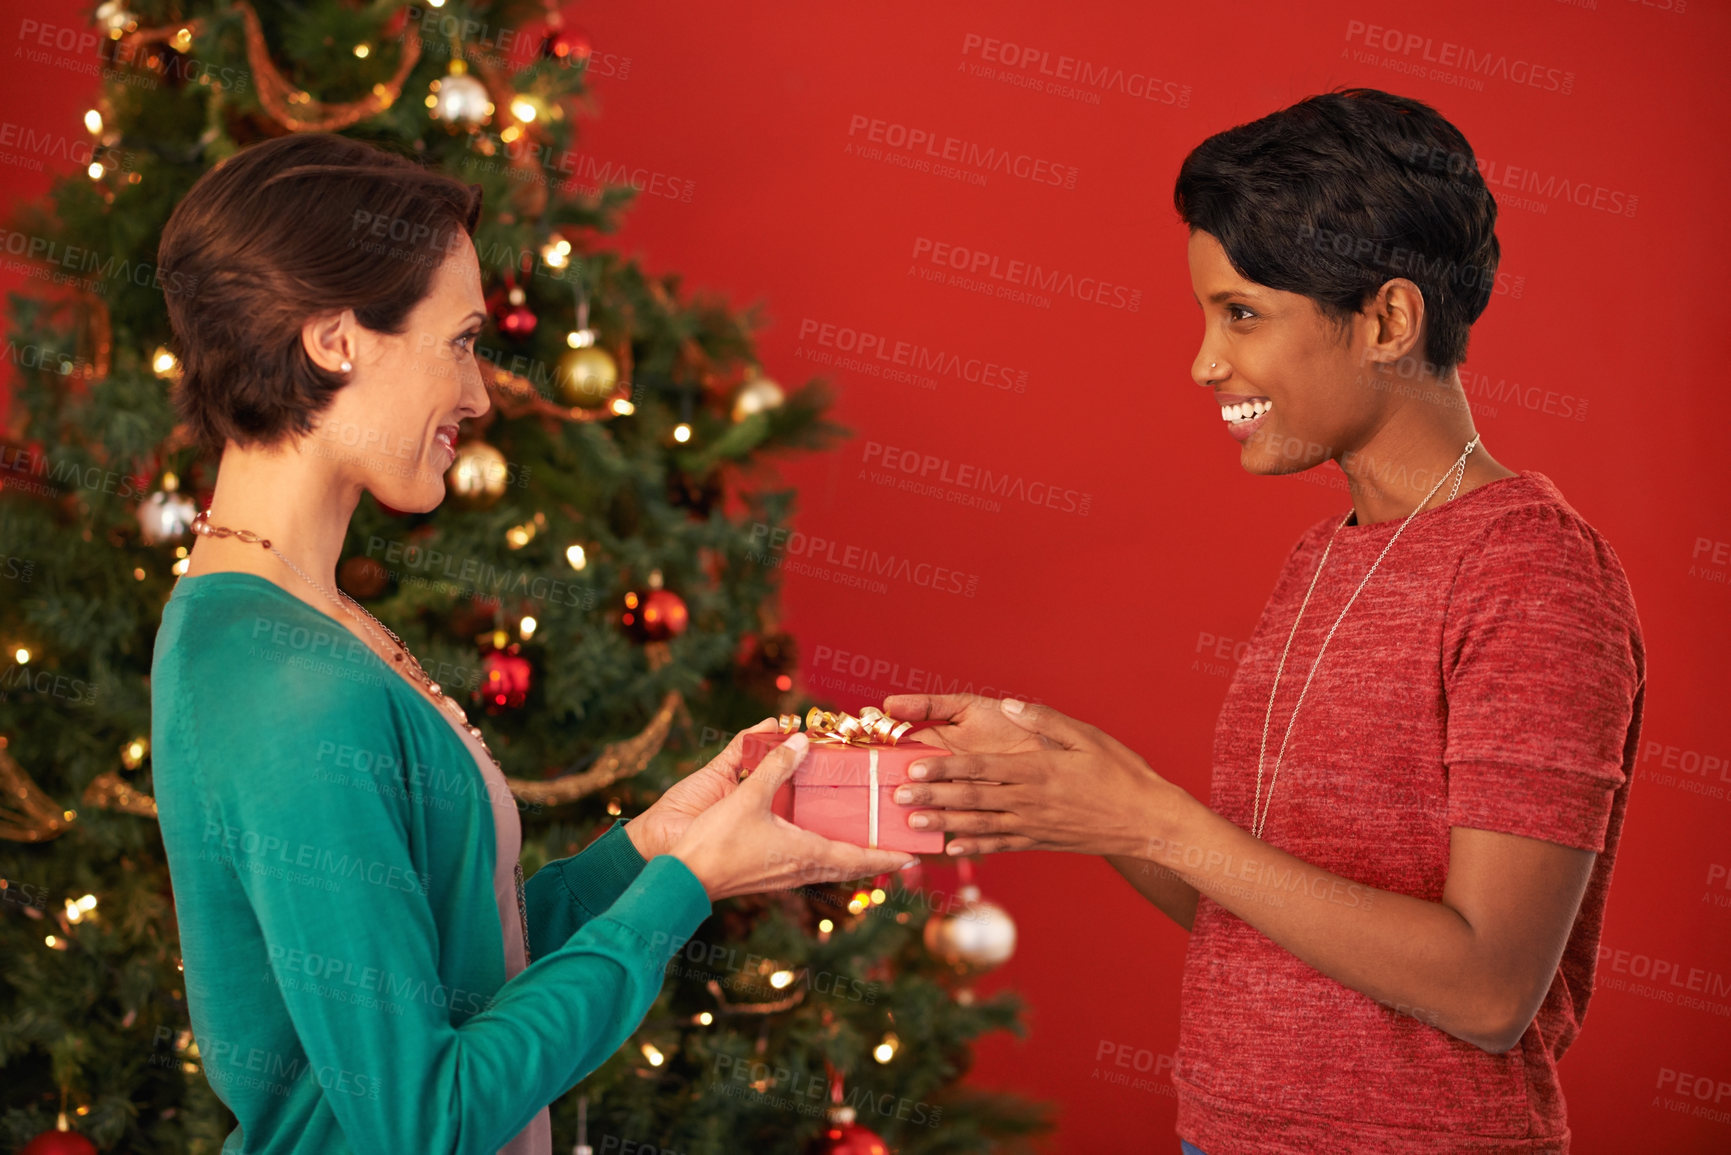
<point>1594,365</point>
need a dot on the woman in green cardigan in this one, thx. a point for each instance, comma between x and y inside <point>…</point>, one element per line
<point>356,934</point>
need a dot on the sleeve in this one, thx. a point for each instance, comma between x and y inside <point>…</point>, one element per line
<point>445,1087</point>
<point>1542,662</point>
<point>567,893</point>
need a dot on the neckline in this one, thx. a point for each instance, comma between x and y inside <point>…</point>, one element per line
<point>1430,516</point>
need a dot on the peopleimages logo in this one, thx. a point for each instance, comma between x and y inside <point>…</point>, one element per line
<point>992,272</point>
<point>868,348</point>
<point>1412,52</point>
<point>1063,75</point>
<point>930,145</point>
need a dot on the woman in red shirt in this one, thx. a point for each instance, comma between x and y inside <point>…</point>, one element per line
<point>1395,889</point>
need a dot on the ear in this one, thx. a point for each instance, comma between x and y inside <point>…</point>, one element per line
<point>329,340</point>
<point>1391,324</point>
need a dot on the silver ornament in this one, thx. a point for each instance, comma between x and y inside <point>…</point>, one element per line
<point>461,99</point>
<point>165,516</point>
<point>978,934</point>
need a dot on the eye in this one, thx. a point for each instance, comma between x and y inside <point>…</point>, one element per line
<point>466,343</point>
<point>1237,312</point>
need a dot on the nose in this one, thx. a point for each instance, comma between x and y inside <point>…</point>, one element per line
<point>476,399</point>
<point>1206,369</point>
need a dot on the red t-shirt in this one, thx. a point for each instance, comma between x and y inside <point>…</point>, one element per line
<point>1490,675</point>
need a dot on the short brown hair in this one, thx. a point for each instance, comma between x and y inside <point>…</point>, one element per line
<point>277,234</point>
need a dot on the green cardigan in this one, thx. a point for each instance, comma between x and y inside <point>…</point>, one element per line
<point>330,842</point>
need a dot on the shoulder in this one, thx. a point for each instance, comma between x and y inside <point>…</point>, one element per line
<point>1531,524</point>
<point>246,663</point>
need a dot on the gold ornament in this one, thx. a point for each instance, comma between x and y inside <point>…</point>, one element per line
<point>586,377</point>
<point>759,395</point>
<point>478,475</point>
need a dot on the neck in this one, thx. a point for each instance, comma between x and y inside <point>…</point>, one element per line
<point>1417,445</point>
<point>282,496</point>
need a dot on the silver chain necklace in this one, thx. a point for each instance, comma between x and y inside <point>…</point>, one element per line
<point>202,525</point>
<point>1258,807</point>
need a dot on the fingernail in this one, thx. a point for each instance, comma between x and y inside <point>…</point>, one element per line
<point>909,864</point>
<point>918,769</point>
<point>919,821</point>
<point>955,848</point>
<point>798,742</point>
<point>904,795</point>
<point>1012,706</point>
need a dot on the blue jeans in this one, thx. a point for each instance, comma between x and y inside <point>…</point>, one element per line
<point>1189,1150</point>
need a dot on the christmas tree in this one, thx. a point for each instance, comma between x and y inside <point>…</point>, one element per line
<point>594,584</point>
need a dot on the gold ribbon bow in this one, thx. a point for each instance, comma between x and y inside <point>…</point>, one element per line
<point>873,727</point>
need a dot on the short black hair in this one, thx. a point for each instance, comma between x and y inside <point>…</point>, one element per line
<point>1342,192</point>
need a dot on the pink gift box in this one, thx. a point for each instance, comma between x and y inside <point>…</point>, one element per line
<point>831,793</point>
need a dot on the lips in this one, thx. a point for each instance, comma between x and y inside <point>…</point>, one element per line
<point>446,438</point>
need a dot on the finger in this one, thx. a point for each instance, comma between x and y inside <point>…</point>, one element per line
<point>978,767</point>
<point>955,796</point>
<point>777,767</point>
<point>967,821</point>
<point>932,707</point>
<point>1045,721</point>
<point>991,844</point>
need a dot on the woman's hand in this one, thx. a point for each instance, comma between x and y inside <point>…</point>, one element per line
<point>1025,777</point>
<point>659,828</point>
<point>737,846</point>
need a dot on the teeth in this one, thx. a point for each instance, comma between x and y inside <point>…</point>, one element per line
<point>1244,410</point>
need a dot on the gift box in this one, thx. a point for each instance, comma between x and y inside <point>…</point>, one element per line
<point>846,791</point>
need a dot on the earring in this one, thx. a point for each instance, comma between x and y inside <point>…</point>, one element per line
<point>346,367</point>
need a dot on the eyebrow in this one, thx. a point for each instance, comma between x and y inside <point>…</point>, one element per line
<point>476,313</point>
<point>1227,294</point>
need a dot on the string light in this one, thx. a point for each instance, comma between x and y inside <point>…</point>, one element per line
<point>163,362</point>
<point>557,254</point>
<point>878,895</point>
<point>526,627</point>
<point>524,109</point>
<point>703,1018</point>
<point>623,408</point>
<point>22,655</point>
<point>132,754</point>
<point>859,902</point>
<point>578,338</point>
<point>576,556</point>
<point>682,433</point>
<point>362,51</point>
<point>93,121</point>
<point>655,1057</point>
<point>886,1050</point>
<point>780,979</point>
<point>95,170</point>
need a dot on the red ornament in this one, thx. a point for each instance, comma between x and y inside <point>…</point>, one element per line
<point>656,616</point>
<point>518,322</point>
<point>512,315</point>
<point>504,679</point>
<point>59,1143</point>
<point>845,1137</point>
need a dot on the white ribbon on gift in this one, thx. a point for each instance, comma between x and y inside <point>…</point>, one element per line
<point>872,806</point>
